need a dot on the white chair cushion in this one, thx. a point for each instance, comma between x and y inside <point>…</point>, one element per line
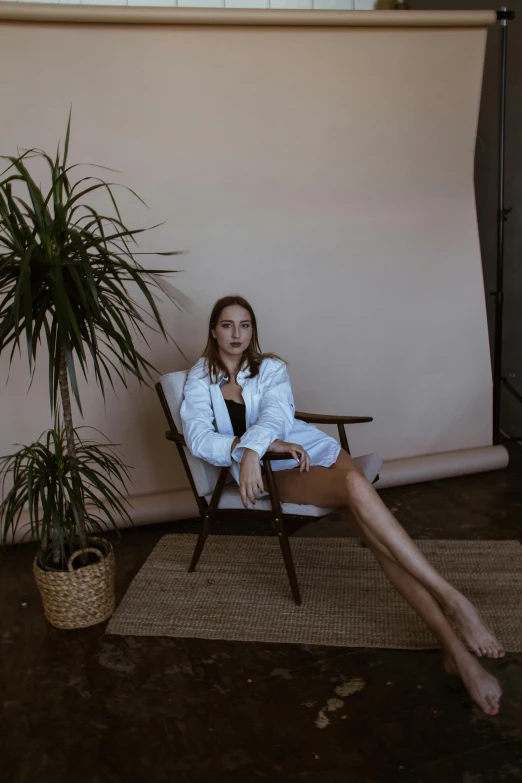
<point>231,499</point>
<point>205,475</point>
<point>371,465</point>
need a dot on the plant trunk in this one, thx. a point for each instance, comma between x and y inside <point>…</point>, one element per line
<point>71,446</point>
<point>56,552</point>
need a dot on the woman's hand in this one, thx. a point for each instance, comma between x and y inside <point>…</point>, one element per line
<point>250,479</point>
<point>297,452</point>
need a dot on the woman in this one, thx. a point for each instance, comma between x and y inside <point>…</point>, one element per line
<point>254,388</point>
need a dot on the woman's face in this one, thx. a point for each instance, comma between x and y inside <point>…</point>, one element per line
<point>233,331</point>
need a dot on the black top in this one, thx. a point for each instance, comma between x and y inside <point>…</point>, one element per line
<point>237,415</point>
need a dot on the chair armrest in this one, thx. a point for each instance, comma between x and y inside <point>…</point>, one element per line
<point>319,418</point>
<point>176,437</point>
<point>272,455</point>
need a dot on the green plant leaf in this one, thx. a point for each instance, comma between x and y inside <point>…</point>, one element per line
<point>41,480</point>
<point>64,262</point>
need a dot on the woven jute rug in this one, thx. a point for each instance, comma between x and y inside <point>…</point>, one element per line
<point>240,592</point>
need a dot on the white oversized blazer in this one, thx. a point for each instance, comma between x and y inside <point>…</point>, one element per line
<point>269,412</point>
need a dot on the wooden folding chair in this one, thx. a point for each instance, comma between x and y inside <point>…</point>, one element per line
<point>214,496</point>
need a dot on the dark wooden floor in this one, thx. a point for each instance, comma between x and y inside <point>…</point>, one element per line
<point>84,707</point>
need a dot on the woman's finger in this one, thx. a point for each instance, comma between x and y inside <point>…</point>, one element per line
<point>242,492</point>
<point>303,458</point>
<point>250,493</point>
<point>298,455</point>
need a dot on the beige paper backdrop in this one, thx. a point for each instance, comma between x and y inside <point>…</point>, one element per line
<point>326,174</point>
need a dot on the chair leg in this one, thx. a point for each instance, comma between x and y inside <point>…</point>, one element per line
<point>281,534</point>
<point>208,519</point>
<point>200,543</point>
<point>289,561</point>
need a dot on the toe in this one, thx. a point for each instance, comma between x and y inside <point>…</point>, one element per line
<point>489,704</point>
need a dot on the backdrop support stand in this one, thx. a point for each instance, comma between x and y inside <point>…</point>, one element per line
<point>499,382</point>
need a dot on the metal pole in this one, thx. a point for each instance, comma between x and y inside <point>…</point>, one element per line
<point>501,219</point>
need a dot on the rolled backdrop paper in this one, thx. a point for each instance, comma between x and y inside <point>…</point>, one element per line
<point>320,164</point>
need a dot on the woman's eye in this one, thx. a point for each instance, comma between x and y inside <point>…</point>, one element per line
<point>246,326</point>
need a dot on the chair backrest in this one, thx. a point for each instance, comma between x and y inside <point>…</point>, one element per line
<point>204,475</point>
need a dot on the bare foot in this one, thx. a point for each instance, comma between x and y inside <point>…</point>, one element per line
<point>483,688</point>
<point>478,637</point>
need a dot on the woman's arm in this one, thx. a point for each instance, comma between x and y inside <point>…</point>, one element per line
<point>276,417</point>
<point>198,423</point>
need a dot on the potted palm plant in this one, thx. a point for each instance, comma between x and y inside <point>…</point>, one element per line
<point>75,579</point>
<point>67,275</point>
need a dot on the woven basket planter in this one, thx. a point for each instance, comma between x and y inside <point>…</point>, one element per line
<point>79,598</point>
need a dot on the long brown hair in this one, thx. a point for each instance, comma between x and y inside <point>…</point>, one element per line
<point>252,356</point>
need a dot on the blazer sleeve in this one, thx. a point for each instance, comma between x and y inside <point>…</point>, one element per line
<point>276,416</point>
<point>197,417</point>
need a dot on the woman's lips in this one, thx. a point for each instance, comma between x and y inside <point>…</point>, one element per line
<point>235,345</point>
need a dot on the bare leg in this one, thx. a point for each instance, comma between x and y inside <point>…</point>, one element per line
<point>344,486</point>
<point>483,688</point>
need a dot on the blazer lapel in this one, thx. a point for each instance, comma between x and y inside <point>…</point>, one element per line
<point>223,423</point>
<point>247,399</point>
